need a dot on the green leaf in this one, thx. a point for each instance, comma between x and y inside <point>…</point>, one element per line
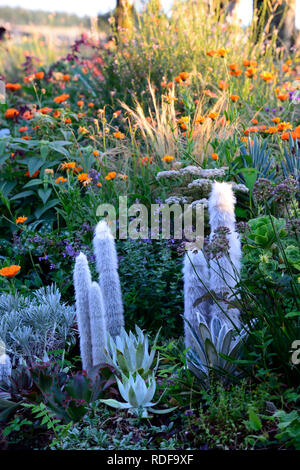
<point>34,164</point>
<point>22,195</point>
<point>41,210</point>
<point>44,194</point>
<point>254,420</point>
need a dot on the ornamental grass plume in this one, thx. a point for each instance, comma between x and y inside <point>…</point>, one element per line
<point>224,270</point>
<point>107,267</point>
<point>98,325</point>
<point>196,277</point>
<point>82,284</point>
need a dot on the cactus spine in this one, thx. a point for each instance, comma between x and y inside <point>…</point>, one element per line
<point>99,307</point>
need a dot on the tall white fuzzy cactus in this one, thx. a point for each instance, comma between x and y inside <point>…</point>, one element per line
<point>98,326</point>
<point>107,267</point>
<point>99,307</point>
<point>224,271</point>
<point>195,267</point>
<point>82,285</point>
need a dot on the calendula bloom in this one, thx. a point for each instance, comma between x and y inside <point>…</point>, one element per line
<point>223,85</point>
<point>80,103</point>
<point>276,120</point>
<point>233,67</point>
<point>250,72</point>
<point>111,175</point>
<point>294,134</point>
<point>236,73</point>
<point>119,135</point>
<point>56,113</point>
<point>234,98</point>
<point>68,121</point>
<point>214,156</point>
<point>284,126</point>
<point>13,86</point>
<point>39,75</point>
<point>68,166</point>
<point>83,177</point>
<point>167,158</point>
<point>211,53</point>
<point>271,130</point>
<point>96,153</point>
<point>184,75</point>
<point>34,175</point>
<point>266,76</point>
<point>61,98</point>
<point>222,51</point>
<point>21,219</point>
<point>60,180</point>
<point>45,110</point>
<point>11,113</point>
<point>200,120</point>
<point>10,271</point>
<point>283,96</point>
<point>213,115</point>
<point>178,79</point>
<point>23,129</point>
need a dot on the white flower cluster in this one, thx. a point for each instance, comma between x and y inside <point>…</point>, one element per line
<point>206,184</point>
<point>176,200</point>
<point>193,171</point>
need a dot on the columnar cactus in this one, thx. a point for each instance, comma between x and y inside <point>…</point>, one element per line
<point>195,268</point>
<point>99,307</point>
<point>107,267</point>
<point>222,274</point>
<point>82,285</point>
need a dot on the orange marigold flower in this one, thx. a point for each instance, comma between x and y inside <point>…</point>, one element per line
<point>223,85</point>
<point>211,53</point>
<point>178,79</point>
<point>61,98</point>
<point>184,75</point>
<point>111,175</point>
<point>213,115</point>
<point>68,166</point>
<point>96,153</point>
<point>167,158</point>
<point>13,86</point>
<point>222,51</point>
<point>250,72</point>
<point>60,180</point>
<point>23,129</point>
<point>91,105</point>
<point>234,98</point>
<point>11,113</point>
<point>254,121</point>
<point>283,96</point>
<point>56,113</point>
<point>39,75</point>
<point>66,78</point>
<point>251,129</point>
<point>233,67</point>
<point>45,110</point>
<point>27,115</point>
<point>276,120</point>
<point>68,121</point>
<point>214,156</point>
<point>266,76</point>
<point>80,103</point>
<point>200,120</point>
<point>21,220</point>
<point>99,185</point>
<point>119,135</point>
<point>271,130</point>
<point>284,126</point>
<point>10,271</point>
<point>83,177</point>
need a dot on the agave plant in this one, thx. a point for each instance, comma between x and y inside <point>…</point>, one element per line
<point>211,343</point>
<point>129,353</point>
<point>291,163</point>
<point>258,157</point>
<point>137,394</point>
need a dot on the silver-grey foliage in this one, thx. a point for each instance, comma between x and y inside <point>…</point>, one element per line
<point>32,326</point>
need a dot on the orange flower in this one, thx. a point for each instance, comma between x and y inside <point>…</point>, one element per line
<point>13,86</point>
<point>23,129</point>
<point>167,158</point>
<point>250,72</point>
<point>45,110</point>
<point>236,73</point>
<point>39,75</point>
<point>222,51</point>
<point>234,98</point>
<point>119,135</point>
<point>223,85</point>
<point>146,160</point>
<point>276,120</point>
<point>83,177</point>
<point>266,76</point>
<point>10,271</point>
<point>68,166</point>
<point>60,180</point>
<point>251,129</point>
<point>96,153</point>
<point>284,126</point>
<point>214,156</point>
<point>184,75</point>
<point>61,98</point>
<point>21,220</point>
<point>209,93</point>
<point>295,134</point>
<point>271,130</point>
<point>56,113</point>
<point>178,79</point>
<point>200,120</point>
<point>111,175</point>
<point>91,105</point>
<point>26,137</point>
<point>116,114</point>
<point>80,103</point>
<point>68,121</point>
<point>99,185</point>
<point>35,174</point>
<point>233,67</point>
<point>213,115</point>
<point>211,53</point>
<point>11,113</point>
<point>283,96</point>
<point>27,115</point>
<point>122,177</point>
<point>66,78</point>
<point>254,121</point>
<point>245,139</point>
